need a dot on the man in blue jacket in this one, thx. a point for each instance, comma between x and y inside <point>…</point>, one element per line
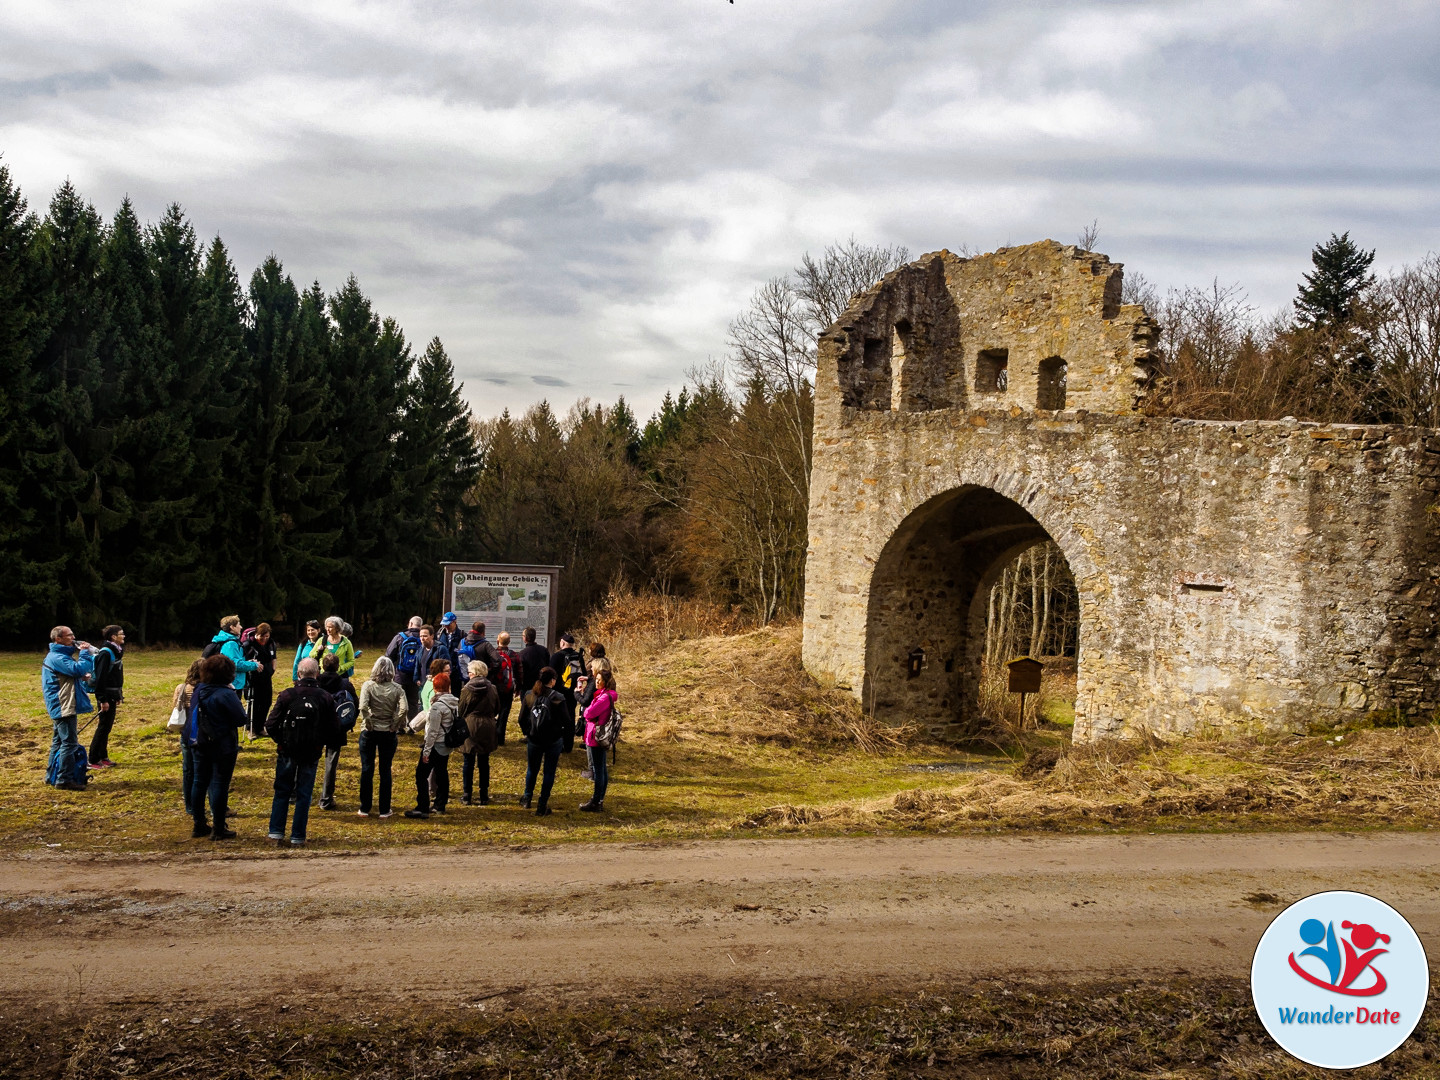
<point>67,667</point>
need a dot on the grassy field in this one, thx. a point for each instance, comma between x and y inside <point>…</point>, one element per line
<point>726,736</point>
<point>670,781</point>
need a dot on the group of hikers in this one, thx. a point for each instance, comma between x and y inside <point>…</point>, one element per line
<point>454,690</point>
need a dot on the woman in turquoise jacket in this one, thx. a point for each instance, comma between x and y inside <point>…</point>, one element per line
<point>229,641</point>
<point>310,648</point>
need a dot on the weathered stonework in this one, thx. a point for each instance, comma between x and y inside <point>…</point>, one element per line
<point>1282,572</point>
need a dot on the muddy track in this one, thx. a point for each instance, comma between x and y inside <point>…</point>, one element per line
<point>867,913</point>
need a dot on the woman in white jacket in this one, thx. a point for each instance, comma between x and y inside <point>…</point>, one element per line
<point>443,714</point>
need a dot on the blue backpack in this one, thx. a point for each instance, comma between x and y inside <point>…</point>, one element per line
<point>347,710</point>
<point>409,655</point>
<point>79,768</point>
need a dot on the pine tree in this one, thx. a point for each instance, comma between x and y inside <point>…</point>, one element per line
<point>289,470</point>
<point>369,371</point>
<point>438,462</point>
<point>61,476</point>
<point>1332,293</point>
<point>21,328</point>
<point>127,408</point>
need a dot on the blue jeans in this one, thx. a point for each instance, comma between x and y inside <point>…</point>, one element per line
<point>63,743</point>
<point>187,775</point>
<point>534,755</point>
<point>293,776</point>
<point>214,765</point>
<point>601,768</point>
<point>371,743</point>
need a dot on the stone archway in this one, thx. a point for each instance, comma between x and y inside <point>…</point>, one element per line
<point>925,627</point>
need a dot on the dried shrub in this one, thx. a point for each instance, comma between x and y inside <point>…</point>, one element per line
<point>744,687</point>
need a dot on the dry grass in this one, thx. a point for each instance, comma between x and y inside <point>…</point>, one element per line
<point>1368,778</point>
<point>1017,1030</point>
<point>750,688</point>
<point>641,624</point>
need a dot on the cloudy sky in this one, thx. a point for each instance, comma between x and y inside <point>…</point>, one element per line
<point>578,196</point>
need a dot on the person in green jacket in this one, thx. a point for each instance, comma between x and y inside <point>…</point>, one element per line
<point>336,642</point>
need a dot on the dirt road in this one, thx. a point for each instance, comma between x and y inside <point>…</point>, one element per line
<point>872,913</point>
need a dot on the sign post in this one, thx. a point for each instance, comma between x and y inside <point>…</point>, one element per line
<point>1024,674</point>
<point>504,596</point>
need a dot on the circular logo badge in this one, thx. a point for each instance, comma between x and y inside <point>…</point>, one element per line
<point>1339,979</point>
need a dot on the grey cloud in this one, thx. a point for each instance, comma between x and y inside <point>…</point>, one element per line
<point>595,189</point>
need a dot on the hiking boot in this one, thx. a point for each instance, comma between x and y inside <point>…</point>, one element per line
<point>277,836</point>
<point>543,811</point>
<point>297,843</point>
<point>94,766</point>
<point>465,800</point>
<point>199,831</point>
<point>223,833</point>
<point>484,800</point>
<point>108,763</point>
<point>525,802</point>
<point>416,814</point>
<point>590,807</point>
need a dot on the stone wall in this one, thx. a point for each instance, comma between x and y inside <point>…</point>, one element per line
<point>1281,572</point>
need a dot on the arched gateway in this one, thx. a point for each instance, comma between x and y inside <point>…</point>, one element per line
<point>969,408</point>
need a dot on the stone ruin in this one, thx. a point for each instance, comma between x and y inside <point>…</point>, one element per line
<point>966,409</point>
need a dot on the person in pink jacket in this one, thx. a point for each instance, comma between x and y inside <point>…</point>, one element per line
<point>596,713</point>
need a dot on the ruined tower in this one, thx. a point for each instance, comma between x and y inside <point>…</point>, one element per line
<point>969,408</point>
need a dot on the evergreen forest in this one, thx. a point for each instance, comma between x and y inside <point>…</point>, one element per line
<point>178,443</point>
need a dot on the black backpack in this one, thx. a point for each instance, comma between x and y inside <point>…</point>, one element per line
<point>298,731</point>
<point>539,715</point>
<point>211,649</point>
<point>459,730</point>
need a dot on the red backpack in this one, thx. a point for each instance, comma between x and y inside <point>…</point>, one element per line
<point>505,674</point>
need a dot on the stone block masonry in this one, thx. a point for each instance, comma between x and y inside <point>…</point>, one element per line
<point>1228,572</point>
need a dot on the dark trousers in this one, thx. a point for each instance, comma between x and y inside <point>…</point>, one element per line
<point>473,763</point>
<point>100,741</point>
<point>372,743</point>
<point>187,775</point>
<point>437,769</point>
<point>332,766</point>
<point>535,755</point>
<point>412,694</point>
<point>259,705</point>
<point>214,765</point>
<point>600,766</point>
<point>502,716</point>
<point>293,776</point>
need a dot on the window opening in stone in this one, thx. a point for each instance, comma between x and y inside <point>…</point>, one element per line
<point>1201,587</point>
<point>992,374</point>
<point>1050,387</point>
<point>1033,610</point>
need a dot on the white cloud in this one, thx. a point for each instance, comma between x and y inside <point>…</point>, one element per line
<point>577,195</point>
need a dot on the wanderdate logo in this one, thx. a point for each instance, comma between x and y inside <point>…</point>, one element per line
<point>1321,954</point>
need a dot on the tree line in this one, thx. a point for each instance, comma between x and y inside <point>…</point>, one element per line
<point>177,444</point>
<point>174,442</point>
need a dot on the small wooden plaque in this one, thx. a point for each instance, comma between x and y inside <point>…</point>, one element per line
<point>1025,675</point>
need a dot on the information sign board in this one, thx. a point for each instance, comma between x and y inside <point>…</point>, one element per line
<point>504,596</point>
